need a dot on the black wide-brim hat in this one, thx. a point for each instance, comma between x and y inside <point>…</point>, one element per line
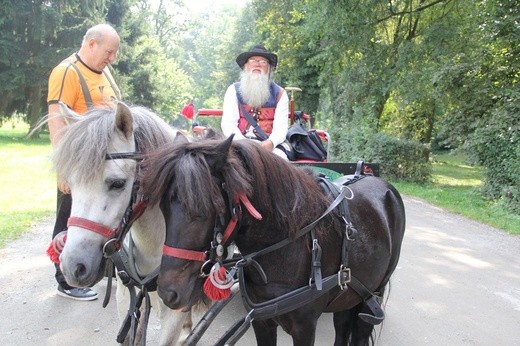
<point>257,50</point>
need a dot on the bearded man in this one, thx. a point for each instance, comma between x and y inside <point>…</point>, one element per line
<point>256,107</point>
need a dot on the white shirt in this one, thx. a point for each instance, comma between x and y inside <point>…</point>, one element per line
<point>231,114</point>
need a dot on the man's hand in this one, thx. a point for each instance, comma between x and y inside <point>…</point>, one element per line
<point>64,187</point>
<point>267,144</point>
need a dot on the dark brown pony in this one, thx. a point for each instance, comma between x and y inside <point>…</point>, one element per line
<point>203,186</point>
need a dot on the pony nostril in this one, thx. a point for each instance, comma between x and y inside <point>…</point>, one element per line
<point>80,271</point>
<point>169,297</point>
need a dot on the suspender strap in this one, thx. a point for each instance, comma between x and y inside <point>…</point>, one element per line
<point>253,123</point>
<point>84,87</point>
<point>117,92</point>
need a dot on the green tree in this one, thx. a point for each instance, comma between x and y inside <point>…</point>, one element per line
<point>34,36</point>
<point>364,63</point>
<point>209,51</point>
<point>483,86</point>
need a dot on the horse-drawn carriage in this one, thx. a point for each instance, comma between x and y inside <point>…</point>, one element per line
<point>157,203</point>
<point>310,146</point>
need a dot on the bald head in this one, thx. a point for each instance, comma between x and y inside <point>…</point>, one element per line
<point>100,46</point>
<point>99,32</point>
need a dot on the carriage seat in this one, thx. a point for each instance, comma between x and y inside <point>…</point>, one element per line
<point>199,130</point>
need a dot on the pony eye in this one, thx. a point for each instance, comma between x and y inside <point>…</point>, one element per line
<point>117,184</point>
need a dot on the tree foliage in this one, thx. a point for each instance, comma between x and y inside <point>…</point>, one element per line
<point>388,79</point>
<point>440,72</point>
<point>34,36</point>
<point>483,85</point>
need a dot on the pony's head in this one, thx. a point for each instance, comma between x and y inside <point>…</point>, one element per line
<point>189,178</point>
<point>198,186</point>
<point>101,183</point>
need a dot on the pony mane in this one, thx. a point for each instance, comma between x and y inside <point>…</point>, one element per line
<point>288,197</point>
<point>85,142</point>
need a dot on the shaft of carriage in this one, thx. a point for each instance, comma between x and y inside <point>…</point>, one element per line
<point>208,318</point>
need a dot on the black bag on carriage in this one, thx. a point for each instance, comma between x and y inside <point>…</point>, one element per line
<point>306,145</point>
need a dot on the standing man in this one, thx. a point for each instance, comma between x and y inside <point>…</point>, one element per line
<point>82,81</point>
<point>265,102</point>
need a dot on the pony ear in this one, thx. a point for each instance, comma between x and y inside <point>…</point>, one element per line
<point>124,120</point>
<point>67,113</point>
<point>180,138</point>
<point>222,151</point>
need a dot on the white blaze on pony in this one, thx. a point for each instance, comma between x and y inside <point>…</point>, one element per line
<point>101,192</point>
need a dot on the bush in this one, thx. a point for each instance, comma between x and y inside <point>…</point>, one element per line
<point>398,159</point>
<point>496,146</point>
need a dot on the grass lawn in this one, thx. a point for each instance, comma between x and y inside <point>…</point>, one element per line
<point>28,182</point>
<point>455,187</point>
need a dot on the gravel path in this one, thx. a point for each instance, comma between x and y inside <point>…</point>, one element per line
<point>457,283</point>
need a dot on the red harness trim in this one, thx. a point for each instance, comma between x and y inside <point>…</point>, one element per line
<point>201,256</point>
<point>230,228</point>
<point>247,203</point>
<point>138,210</point>
<point>92,226</point>
<point>184,254</point>
<point>103,230</point>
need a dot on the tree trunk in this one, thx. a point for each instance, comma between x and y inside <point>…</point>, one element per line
<point>34,113</point>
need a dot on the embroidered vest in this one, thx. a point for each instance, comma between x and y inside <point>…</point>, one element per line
<point>263,116</point>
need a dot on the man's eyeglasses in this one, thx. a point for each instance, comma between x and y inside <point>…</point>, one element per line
<point>262,62</point>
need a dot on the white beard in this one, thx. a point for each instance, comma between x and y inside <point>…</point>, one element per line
<point>254,88</point>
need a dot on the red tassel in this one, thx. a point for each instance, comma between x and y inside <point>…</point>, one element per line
<point>215,293</point>
<point>56,247</point>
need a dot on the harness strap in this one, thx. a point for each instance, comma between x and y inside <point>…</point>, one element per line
<point>293,300</point>
<point>236,331</point>
<point>190,255</point>
<point>303,231</point>
<point>131,280</point>
<point>375,315</point>
<point>287,302</point>
<point>109,270</point>
<point>203,256</point>
<point>106,231</point>
<point>198,331</point>
<point>98,228</point>
<point>230,228</point>
<point>125,327</point>
<point>316,264</point>
<point>247,203</point>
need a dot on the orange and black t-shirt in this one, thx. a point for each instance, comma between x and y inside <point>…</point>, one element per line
<point>65,85</point>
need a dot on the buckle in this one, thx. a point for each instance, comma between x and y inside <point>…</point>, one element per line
<point>125,278</point>
<point>111,247</point>
<point>205,269</point>
<point>344,277</point>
